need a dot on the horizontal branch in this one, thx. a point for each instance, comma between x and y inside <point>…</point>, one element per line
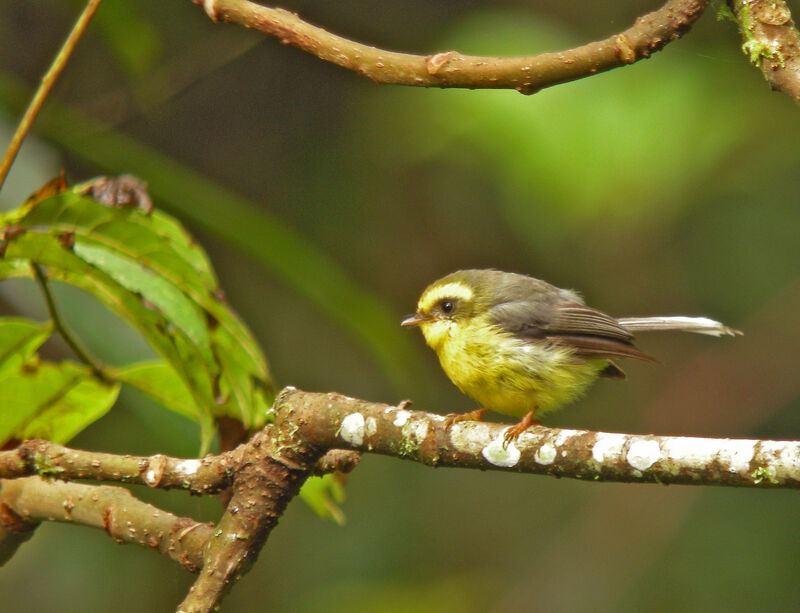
<point>771,41</point>
<point>333,420</point>
<point>208,475</point>
<point>112,509</point>
<point>526,74</point>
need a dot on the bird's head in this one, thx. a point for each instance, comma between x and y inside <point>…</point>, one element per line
<point>449,305</point>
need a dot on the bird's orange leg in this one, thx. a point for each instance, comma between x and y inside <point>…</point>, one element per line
<point>454,418</point>
<point>512,434</point>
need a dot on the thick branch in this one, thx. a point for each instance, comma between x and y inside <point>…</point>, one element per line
<point>277,465</point>
<point>526,74</point>
<point>333,420</point>
<point>772,42</point>
<point>112,509</point>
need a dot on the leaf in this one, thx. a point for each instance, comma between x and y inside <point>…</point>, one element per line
<point>324,495</point>
<point>162,383</point>
<point>149,271</point>
<point>19,339</point>
<point>52,401</point>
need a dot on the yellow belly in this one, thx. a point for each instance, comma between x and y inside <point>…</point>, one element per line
<point>514,377</point>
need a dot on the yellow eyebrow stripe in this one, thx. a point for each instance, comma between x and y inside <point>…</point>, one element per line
<point>454,289</point>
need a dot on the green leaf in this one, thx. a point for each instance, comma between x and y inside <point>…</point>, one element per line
<point>19,339</point>
<point>324,495</point>
<point>52,401</point>
<point>162,383</point>
<point>149,271</point>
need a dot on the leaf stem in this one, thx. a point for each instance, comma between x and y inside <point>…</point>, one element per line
<point>45,86</point>
<point>58,324</point>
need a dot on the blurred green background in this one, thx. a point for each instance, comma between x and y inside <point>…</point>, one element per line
<point>327,203</point>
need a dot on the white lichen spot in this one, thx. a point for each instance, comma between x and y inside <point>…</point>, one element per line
<point>416,430</point>
<point>546,454</point>
<point>607,447</point>
<point>696,452</point>
<point>563,436</point>
<point>352,429</point>
<point>188,467</point>
<point>739,455</point>
<point>643,454</point>
<point>150,477</point>
<point>498,455</point>
<point>401,418</point>
<point>465,438</point>
<point>370,426</point>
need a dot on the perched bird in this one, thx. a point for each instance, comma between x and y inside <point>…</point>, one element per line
<point>523,347</point>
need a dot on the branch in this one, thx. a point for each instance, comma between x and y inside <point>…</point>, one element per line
<point>771,41</point>
<point>112,509</point>
<point>333,420</point>
<point>527,74</point>
<point>265,473</point>
<point>278,463</point>
<point>206,476</point>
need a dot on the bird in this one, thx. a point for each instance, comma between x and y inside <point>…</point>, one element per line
<point>523,347</point>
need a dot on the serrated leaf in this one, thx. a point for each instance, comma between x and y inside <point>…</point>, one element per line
<point>19,339</point>
<point>52,401</point>
<point>159,380</point>
<point>324,495</point>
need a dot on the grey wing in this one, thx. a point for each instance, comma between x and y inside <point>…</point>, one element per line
<point>589,332</point>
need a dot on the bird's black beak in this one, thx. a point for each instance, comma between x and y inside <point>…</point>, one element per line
<point>414,320</point>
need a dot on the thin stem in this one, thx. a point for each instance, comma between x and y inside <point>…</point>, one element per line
<point>46,85</point>
<point>58,324</point>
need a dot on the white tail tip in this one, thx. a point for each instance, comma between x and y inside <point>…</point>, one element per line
<point>699,325</point>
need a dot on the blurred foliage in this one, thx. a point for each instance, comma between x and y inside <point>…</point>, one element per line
<point>668,186</point>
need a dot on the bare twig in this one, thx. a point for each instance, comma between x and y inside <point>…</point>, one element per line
<point>46,85</point>
<point>771,41</point>
<point>206,476</point>
<point>112,509</point>
<point>527,74</point>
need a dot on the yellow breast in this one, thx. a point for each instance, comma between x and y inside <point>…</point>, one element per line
<point>506,374</point>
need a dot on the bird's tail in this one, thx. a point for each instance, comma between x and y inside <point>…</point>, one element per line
<point>700,325</point>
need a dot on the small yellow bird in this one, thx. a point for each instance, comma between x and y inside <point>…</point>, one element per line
<point>523,347</point>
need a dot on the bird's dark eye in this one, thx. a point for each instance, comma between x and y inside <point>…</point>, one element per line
<point>448,306</point>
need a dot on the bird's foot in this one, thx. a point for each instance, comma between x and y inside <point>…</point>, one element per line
<point>512,434</point>
<point>453,418</point>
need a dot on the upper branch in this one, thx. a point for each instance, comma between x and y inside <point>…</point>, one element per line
<point>333,420</point>
<point>527,74</point>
